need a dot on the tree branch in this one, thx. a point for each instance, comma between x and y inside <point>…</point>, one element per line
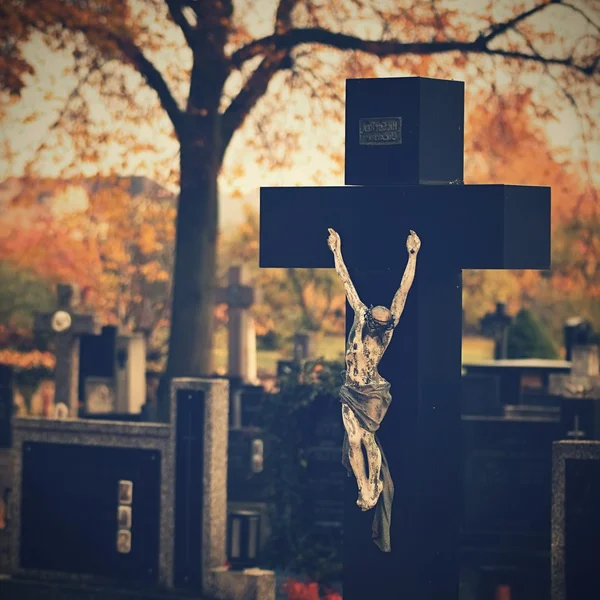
<point>383,48</point>
<point>283,16</point>
<point>499,28</point>
<point>580,12</point>
<point>154,79</point>
<point>258,82</point>
<point>298,288</point>
<point>179,19</point>
<point>244,102</point>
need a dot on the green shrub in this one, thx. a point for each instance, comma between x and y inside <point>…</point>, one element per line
<point>527,338</point>
<point>289,420</point>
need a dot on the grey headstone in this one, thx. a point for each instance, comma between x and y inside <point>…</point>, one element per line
<point>575,520</point>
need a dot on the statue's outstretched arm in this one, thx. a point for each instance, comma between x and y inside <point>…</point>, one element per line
<point>413,243</point>
<point>335,245</point>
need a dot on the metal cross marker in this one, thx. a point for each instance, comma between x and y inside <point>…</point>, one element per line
<point>576,433</point>
<point>67,327</point>
<point>415,184</point>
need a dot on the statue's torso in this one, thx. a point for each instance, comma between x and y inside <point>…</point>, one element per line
<point>363,353</point>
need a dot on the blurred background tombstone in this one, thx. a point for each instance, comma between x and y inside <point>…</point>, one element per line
<point>579,393</point>
<point>495,325</point>
<point>239,298</point>
<point>66,326</point>
<point>577,331</point>
<point>304,345</point>
<point>113,374</point>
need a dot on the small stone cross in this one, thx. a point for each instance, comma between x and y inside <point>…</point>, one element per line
<point>239,298</point>
<point>67,326</point>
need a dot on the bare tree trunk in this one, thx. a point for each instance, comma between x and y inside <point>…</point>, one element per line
<point>190,345</point>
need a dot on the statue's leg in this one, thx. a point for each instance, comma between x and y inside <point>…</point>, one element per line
<point>355,456</point>
<point>374,460</point>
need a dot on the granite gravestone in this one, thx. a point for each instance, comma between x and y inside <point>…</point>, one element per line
<point>575,520</point>
<point>199,416</point>
<point>79,468</point>
<point>405,136</point>
<point>67,326</point>
<point>505,533</point>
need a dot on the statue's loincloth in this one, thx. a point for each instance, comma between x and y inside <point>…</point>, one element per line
<point>369,403</point>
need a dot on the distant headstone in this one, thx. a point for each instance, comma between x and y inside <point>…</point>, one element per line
<point>575,520</point>
<point>252,359</point>
<point>130,373</point>
<point>577,332</point>
<point>67,326</point>
<point>97,364</point>
<point>496,326</point>
<point>580,393</point>
<point>304,346</point>
<point>113,372</point>
<point>239,298</point>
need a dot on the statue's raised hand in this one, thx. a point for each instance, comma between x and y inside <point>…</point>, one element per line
<point>333,241</point>
<point>413,243</point>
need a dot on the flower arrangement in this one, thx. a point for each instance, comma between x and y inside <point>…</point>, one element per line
<point>300,590</point>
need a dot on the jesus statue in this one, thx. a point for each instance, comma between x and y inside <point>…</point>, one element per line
<point>365,394</point>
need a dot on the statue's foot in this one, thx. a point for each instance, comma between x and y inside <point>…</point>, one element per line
<point>370,501</point>
<point>362,503</point>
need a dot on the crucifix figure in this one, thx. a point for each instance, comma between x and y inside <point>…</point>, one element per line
<point>365,394</point>
<point>67,326</point>
<point>404,170</point>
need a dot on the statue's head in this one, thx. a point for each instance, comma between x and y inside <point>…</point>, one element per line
<point>379,319</point>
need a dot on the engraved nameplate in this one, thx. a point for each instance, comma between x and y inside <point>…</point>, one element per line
<point>380,131</point>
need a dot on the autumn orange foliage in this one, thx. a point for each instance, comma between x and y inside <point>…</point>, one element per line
<point>112,237</point>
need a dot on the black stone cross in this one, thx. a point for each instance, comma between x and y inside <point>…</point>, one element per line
<point>404,157</point>
<point>495,324</point>
<point>67,326</point>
